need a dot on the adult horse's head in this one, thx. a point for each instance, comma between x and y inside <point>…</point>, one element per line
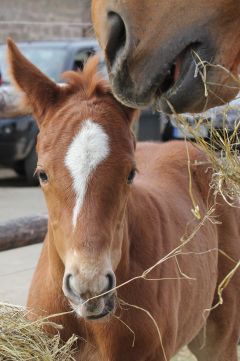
<point>152,47</point>
<point>85,167</point>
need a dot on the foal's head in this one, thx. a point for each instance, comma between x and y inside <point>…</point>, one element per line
<point>85,167</point>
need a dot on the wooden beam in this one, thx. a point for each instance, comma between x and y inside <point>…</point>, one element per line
<point>22,232</point>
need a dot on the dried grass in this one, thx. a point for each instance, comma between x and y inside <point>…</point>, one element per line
<point>222,150</point>
<point>223,147</point>
<point>23,340</point>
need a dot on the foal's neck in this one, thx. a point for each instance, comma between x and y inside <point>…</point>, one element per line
<point>137,203</point>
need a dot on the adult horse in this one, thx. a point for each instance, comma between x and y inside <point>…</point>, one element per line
<point>152,47</point>
<point>107,227</point>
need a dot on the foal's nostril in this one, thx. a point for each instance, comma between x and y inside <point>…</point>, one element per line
<point>67,286</point>
<point>111,281</point>
<point>117,36</point>
<point>67,282</point>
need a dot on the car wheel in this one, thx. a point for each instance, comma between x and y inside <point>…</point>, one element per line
<point>19,168</point>
<point>167,133</point>
<point>30,166</point>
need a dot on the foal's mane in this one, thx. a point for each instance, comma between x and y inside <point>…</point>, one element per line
<point>89,82</point>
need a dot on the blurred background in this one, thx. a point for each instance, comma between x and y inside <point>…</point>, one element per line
<point>25,20</point>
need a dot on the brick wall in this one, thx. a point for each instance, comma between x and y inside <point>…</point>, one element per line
<point>65,12</point>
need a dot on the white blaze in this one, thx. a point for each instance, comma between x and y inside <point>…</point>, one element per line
<point>87,150</point>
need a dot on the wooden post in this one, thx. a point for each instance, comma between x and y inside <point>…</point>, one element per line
<point>22,232</point>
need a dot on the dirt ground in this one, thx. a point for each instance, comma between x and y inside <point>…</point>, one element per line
<point>185,355</point>
<point>17,199</point>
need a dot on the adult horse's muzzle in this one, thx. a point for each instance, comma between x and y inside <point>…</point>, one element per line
<point>91,303</point>
<point>173,76</point>
<point>171,79</point>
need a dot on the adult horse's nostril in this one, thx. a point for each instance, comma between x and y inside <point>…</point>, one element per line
<point>111,281</point>
<point>117,37</point>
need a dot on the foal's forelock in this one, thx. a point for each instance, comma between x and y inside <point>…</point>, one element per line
<point>89,148</point>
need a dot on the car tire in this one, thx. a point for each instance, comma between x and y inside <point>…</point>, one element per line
<point>30,167</point>
<point>167,133</point>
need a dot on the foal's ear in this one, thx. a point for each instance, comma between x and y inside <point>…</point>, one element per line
<point>39,92</point>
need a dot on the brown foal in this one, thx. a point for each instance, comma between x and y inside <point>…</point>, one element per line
<point>115,209</point>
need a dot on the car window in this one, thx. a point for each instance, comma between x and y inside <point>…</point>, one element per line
<point>81,57</point>
<point>49,60</point>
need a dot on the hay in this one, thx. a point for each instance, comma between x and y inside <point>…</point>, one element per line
<point>223,123</point>
<point>223,153</point>
<point>222,148</point>
<point>23,340</point>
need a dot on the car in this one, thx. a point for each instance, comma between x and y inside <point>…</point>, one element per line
<point>18,134</point>
<point>225,116</point>
<point>17,145</point>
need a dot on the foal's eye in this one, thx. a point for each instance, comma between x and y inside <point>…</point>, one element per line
<point>42,176</point>
<point>131,176</point>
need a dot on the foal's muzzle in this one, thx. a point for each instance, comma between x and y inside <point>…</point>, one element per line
<point>87,303</point>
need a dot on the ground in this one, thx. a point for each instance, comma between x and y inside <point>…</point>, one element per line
<point>184,355</point>
<point>17,199</point>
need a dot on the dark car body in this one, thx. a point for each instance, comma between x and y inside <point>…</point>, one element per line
<point>17,139</point>
<point>18,134</point>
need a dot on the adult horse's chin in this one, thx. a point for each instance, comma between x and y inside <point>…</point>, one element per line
<point>196,88</point>
<point>184,86</point>
<point>188,83</point>
<point>149,46</point>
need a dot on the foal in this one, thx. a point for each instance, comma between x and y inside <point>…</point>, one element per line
<point>114,211</point>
